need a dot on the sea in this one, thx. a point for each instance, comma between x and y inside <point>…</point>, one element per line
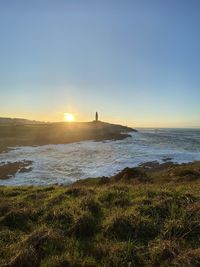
<point>66,163</point>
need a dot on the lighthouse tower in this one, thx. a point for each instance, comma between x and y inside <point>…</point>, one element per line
<point>96,116</point>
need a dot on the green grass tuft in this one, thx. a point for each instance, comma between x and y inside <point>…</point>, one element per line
<point>110,224</point>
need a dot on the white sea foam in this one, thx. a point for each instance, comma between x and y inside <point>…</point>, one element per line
<point>67,163</point>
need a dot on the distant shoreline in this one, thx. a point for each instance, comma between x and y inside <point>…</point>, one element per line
<point>12,135</point>
<point>109,137</point>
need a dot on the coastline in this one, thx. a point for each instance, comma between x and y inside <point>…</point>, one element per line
<point>166,171</point>
<point>10,144</point>
<point>77,161</point>
<point>147,215</point>
<point>59,133</point>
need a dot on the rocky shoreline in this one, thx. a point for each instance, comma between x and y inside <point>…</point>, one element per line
<point>9,169</point>
<point>145,172</point>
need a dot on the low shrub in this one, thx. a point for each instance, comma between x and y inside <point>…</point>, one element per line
<point>189,258</point>
<point>186,174</point>
<point>124,254</point>
<point>59,217</point>
<point>162,252</point>
<point>131,174</point>
<point>34,247</point>
<point>130,227</point>
<point>115,197</point>
<point>85,226</point>
<point>75,191</point>
<point>90,204</point>
<point>17,219</point>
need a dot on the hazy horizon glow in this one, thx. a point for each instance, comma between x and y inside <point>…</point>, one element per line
<point>135,62</point>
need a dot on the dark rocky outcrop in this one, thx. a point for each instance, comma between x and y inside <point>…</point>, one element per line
<point>9,169</point>
<point>129,174</point>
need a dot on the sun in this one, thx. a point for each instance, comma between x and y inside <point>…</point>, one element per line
<point>69,117</point>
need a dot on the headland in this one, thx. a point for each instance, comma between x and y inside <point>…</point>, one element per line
<point>30,133</point>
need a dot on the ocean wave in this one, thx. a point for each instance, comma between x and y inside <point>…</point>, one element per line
<point>65,163</point>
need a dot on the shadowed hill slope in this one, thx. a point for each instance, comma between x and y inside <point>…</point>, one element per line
<point>12,134</point>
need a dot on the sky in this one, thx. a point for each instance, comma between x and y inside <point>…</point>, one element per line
<point>136,62</point>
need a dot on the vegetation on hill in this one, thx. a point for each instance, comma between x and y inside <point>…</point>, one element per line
<point>12,134</point>
<point>146,216</point>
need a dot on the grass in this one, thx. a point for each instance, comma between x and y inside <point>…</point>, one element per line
<point>12,135</point>
<point>126,221</point>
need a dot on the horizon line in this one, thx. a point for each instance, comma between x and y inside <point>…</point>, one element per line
<point>137,127</point>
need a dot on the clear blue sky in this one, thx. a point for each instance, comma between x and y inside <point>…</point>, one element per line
<point>135,61</point>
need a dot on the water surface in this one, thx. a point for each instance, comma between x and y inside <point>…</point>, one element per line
<point>67,163</point>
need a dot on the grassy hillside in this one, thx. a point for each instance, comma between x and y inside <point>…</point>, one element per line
<point>148,216</point>
<point>58,133</point>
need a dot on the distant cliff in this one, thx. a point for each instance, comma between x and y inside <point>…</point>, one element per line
<point>112,127</point>
<point>100,125</point>
<point>21,132</point>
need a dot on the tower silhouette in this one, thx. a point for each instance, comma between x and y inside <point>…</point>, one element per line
<point>96,116</point>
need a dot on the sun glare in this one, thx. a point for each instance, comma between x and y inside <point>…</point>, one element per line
<point>69,117</point>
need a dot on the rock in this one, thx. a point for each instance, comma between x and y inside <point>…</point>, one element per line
<point>131,174</point>
<point>9,169</point>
